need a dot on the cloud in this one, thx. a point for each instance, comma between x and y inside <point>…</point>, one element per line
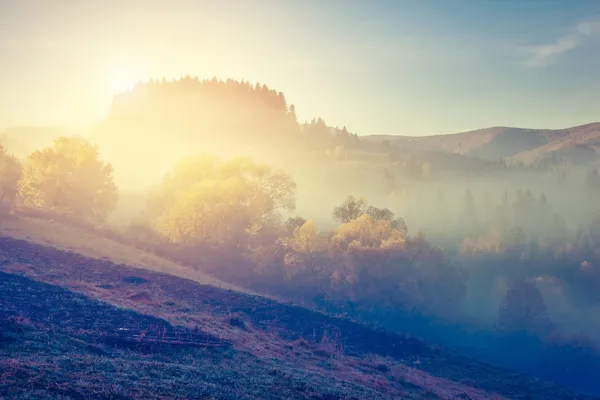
<point>543,55</point>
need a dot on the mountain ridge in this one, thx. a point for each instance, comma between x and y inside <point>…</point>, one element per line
<point>512,144</point>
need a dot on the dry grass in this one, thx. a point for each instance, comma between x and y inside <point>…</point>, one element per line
<point>78,240</point>
<point>47,356</point>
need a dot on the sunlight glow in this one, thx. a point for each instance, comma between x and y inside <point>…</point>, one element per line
<point>123,78</point>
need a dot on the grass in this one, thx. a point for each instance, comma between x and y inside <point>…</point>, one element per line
<point>271,350</point>
<point>46,355</point>
<point>69,238</point>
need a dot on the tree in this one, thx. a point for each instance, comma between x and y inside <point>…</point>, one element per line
<point>351,209</point>
<point>208,200</point>
<point>592,179</point>
<point>303,247</point>
<point>69,179</point>
<point>594,231</point>
<point>417,168</point>
<point>468,218</point>
<point>292,119</point>
<point>293,223</point>
<point>380,213</point>
<point>385,214</point>
<point>367,232</point>
<point>524,310</point>
<point>524,209</point>
<point>10,174</point>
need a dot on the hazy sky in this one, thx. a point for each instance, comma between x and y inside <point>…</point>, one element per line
<point>406,67</point>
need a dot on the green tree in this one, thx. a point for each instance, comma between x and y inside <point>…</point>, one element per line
<point>69,179</point>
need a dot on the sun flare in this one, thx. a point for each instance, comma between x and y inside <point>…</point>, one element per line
<point>122,79</point>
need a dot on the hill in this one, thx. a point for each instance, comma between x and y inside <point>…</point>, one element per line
<point>81,241</point>
<point>512,144</point>
<point>74,325</point>
<point>166,121</point>
<point>578,145</point>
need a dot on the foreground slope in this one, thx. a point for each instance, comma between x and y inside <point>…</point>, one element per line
<point>262,348</point>
<point>64,346</point>
<point>82,241</point>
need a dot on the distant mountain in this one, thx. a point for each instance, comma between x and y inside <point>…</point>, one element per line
<point>576,145</point>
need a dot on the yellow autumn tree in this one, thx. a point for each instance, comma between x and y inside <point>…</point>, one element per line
<point>69,179</point>
<point>368,259</point>
<point>10,174</point>
<point>367,232</point>
<point>209,200</point>
<point>303,248</point>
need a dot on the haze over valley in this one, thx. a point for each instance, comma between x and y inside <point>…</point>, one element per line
<point>217,229</point>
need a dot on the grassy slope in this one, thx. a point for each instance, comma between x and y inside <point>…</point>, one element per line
<point>69,238</point>
<point>57,347</point>
<point>301,347</point>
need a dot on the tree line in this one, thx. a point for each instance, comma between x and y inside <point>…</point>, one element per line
<point>238,206</point>
<point>208,205</point>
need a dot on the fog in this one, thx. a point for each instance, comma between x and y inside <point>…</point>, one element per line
<point>435,205</point>
<point>487,223</point>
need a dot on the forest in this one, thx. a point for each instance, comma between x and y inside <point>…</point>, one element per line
<point>487,256</point>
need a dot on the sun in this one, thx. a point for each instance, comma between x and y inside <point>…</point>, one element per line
<point>122,79</point>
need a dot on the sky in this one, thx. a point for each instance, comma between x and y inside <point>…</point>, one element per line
<point>377,67</point>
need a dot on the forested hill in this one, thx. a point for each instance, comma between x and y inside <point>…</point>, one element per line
<point>173,117</point>
<point>205,107</point>
<point>212,109</point>
<point>177,117</point>
<point>169,120</point>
